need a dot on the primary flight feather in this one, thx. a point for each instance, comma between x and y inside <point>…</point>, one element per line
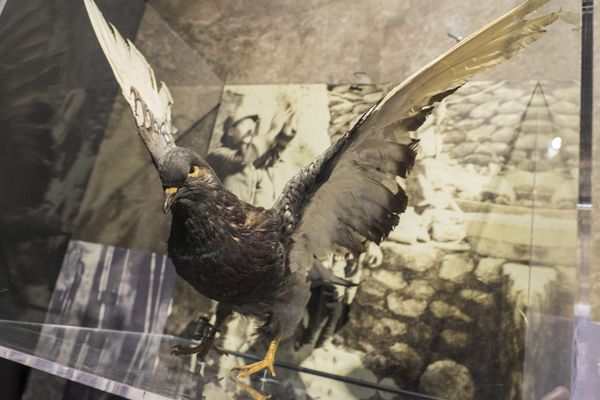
<point>262,262</point>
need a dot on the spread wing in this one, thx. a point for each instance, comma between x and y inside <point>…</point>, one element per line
<point>150,104</point>
<point>350,195</point>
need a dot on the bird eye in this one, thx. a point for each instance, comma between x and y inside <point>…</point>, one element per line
<point>194,171</point>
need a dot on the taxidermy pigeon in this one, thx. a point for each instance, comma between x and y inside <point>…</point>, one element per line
<point>262,262</point>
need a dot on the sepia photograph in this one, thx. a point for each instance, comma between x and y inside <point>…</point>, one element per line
<point>304,200</point>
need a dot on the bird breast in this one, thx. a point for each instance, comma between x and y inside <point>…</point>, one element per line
<point>225,259</point>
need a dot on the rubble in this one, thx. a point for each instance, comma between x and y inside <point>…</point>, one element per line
<point>405,307</point>
<point>489,270</point>
<point>448,380</point>
<point>455,267</point>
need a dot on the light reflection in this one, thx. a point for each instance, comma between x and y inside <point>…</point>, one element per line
<point>554,147</point>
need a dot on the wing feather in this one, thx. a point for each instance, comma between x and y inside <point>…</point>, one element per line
<point>150,103</point>
<point>350,194</point>
<point>487,47</point>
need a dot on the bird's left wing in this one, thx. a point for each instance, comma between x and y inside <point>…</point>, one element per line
<point>151,104</point>
<point>349,194</point>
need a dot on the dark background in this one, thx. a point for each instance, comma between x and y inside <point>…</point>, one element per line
<point>57,95</point>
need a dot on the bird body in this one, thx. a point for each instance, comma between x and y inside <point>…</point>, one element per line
<point>227,241</point>
<point>217,238</point>
<point>262,262</point>
<point>216,235</point>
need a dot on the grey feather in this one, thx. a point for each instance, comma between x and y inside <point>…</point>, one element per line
<point>150,104</point>
<point>349,194</point>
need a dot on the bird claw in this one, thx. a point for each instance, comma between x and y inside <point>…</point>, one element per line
<point>266,363</point>
<point>179,350</point>
<point>200,350</point>
<point>245,371</point>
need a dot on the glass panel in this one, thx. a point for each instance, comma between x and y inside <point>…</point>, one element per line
<point>553,117</point>
<point>561,360</point>
<point>470,297</point>
<point>138,365</point>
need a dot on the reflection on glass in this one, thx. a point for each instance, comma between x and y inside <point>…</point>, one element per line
<point>476,283</point>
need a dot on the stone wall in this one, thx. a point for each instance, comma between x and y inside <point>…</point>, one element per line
<point>490,236</point>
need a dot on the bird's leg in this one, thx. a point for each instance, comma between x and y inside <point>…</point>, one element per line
<point>202,349</point>
<point>254,393</point>
<point>267,362</point>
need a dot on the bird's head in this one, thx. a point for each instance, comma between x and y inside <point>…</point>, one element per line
<point>184,173</point>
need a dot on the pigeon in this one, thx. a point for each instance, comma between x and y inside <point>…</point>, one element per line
<point>261,262</point>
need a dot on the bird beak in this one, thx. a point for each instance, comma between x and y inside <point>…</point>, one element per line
<point>170,193</point>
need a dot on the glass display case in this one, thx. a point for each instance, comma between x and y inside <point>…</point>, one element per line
<point>484,290</point>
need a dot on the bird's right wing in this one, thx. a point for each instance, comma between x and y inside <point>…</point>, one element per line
<point>349,195</point>
<point>151,104</point>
